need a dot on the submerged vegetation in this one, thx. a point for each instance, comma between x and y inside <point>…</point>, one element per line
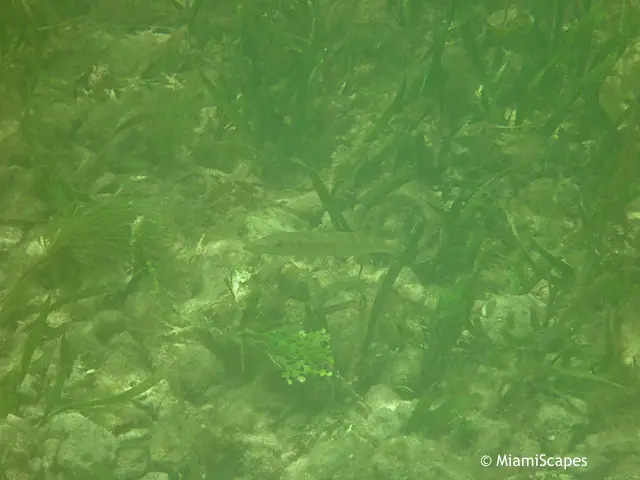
<point>318,239</point>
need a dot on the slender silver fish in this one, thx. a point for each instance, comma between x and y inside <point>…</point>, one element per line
<point>322,244</point>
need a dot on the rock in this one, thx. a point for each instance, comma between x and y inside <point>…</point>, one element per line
<point>132,463</point>
<point>156,476</point>
<point>416,457</point>
<point>506,317</point>
<point>9,237</point>
<point>347,457</point>
<point>389,414</point>
<point>193,372</point>
<point>85,448</point>
<point>404,373</point>
<point>559,423</point>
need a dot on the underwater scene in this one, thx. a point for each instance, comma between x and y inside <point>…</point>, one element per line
<point>319,240</point>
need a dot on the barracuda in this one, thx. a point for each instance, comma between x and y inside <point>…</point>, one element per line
<point>322,244</point>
